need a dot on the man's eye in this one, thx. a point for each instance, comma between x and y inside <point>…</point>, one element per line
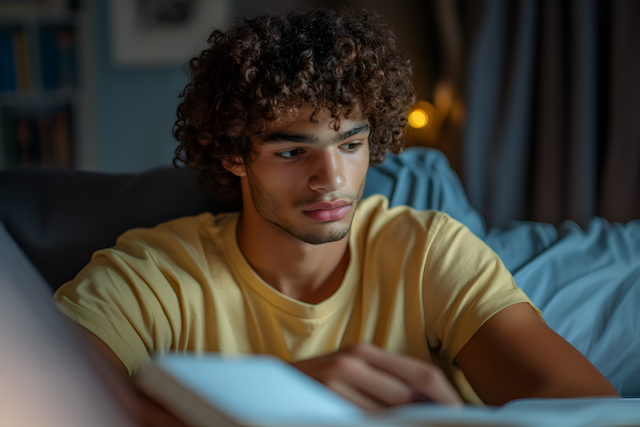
<point>290,154</point>
<point>354,146</point>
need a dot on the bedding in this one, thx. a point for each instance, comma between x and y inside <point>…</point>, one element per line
<point>585,281</point>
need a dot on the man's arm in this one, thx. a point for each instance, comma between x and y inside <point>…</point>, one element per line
<point>515,355</point>
<point>144,411</point>
<point>106,352</point>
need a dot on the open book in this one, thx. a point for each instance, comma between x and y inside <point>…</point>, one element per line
<point>256,390</point>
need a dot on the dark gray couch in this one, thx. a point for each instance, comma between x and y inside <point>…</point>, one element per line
<point>60,217</point>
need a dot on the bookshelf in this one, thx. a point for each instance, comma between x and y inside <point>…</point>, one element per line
<point>41,97</point>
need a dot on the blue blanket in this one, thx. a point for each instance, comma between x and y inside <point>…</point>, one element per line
<point>585,281</point>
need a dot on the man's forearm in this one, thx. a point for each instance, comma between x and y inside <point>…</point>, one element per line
<point>115,377</point>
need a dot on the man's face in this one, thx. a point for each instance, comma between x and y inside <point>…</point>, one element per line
<point>308,177</point>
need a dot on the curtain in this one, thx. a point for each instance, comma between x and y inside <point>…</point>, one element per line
<point>552,95</point>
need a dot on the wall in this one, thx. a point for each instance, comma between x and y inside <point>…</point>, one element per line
<point>134,108</point>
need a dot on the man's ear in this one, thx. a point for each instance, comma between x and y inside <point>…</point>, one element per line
<point>236,166</point>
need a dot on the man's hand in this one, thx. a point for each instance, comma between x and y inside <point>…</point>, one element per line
<point>374,378</point>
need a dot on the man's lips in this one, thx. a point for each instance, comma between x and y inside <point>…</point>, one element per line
<point>328,211</point>
<point>327,205</point>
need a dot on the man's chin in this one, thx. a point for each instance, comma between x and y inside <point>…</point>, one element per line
<point>323,238</point>
<point>326,232</point>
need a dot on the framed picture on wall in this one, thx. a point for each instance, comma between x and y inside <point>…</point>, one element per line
<point>162,32</point>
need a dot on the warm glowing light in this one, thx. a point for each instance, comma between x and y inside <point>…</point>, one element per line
<point>418,118</point>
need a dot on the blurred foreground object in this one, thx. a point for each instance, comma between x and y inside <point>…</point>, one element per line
<point>46,377</point>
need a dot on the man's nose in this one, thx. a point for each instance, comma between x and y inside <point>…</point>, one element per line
<point>328,172</point>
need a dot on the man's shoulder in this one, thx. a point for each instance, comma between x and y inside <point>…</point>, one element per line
<point>184,232</point>
<point>376,217</point>
<point>182,226</point>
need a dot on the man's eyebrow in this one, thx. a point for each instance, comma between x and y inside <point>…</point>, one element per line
<point>274,138</point>
<point>356,130</point>
<point>279,137</point>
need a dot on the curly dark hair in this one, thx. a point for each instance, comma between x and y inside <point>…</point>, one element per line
<point>266,66</point>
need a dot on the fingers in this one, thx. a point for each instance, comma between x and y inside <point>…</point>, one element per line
<point>356,380</point>
<point>373,378</point>
<point>425,378</point>
<point>356,396</point>
<point>371,383</point>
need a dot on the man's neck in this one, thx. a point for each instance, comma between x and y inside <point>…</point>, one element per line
<point>305,272</point>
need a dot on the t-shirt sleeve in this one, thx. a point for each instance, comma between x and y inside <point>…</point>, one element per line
<point>465,284</point>
<point>124,298</point>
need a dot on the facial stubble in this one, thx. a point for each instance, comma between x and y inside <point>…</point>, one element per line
<point>268,207</point>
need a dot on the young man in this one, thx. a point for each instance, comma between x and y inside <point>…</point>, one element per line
<point>385,306</point>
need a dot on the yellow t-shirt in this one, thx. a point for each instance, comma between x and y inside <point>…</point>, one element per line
<point>418,283</point>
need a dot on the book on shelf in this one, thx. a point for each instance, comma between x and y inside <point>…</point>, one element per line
<point>57,57</point>
<point>54,54</point>
<point>260,390</point>
<point>23,73</point>
<point>35,137</point>
<point>7,62</point>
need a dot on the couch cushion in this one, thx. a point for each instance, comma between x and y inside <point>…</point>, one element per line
<point>61,217</point>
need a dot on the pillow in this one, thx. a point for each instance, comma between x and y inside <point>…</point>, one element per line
<point>587,285</point>
<point>422,178</point>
